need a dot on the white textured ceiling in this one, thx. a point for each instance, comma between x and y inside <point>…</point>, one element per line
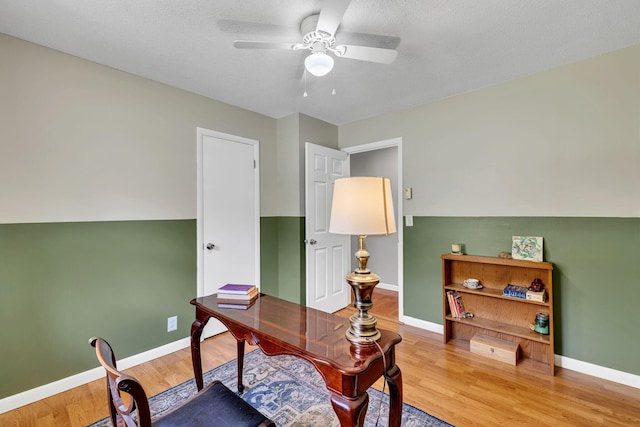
<point>445,46</point>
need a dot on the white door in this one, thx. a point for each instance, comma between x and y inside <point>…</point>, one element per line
<point>327,254</point>
<point>229,213</point>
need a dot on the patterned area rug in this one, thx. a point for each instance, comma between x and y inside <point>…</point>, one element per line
<point>289,391</point>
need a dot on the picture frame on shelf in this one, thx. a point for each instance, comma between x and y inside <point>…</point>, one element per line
<point>528,248</point>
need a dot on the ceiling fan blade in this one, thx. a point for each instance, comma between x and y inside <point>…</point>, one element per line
<point>365,53</point>
<point>331,15</point>
<point>230,26</point>
<point>247,44</point>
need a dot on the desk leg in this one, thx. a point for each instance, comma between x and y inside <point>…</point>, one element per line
<point>196,359</point>
<point>240,346</point>
<point>351,412</point>
<point>394,380</point>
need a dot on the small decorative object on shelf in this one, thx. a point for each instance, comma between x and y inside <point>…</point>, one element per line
<point>505,255</point>
<point>526,248</point>
<point>472,284</point>
<point>536,285</point>
<point>541,325</point>
<point>456,248</point>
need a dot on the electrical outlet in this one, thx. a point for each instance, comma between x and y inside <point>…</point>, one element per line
<point>172,323</point>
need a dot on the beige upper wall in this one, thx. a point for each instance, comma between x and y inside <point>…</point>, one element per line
<point>565,142</point>
<point>316,132</point>
<point>293,132</point>
<point>85,142</point>
<point>288,170</point>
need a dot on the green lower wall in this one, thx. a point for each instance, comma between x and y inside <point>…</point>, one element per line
<point>61,283</point>
<point>269,255</point>
<point>282,257</point>
<point>292,259</point>
<point>596,277</point>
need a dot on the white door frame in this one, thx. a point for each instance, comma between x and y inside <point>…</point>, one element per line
<point>394,142</point>
<point>200,213</point>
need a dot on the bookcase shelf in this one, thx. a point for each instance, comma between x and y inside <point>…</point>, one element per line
<point>491,293</point>
<point>503,317</point>
<point>503,328</point>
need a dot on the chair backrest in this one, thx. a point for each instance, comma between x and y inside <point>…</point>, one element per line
<point>117,382</point>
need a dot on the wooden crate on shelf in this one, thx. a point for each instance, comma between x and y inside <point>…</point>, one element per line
<point>503,351</point>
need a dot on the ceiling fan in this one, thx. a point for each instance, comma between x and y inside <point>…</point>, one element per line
<point>318,36</point>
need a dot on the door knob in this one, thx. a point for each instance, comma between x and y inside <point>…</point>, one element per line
<point>312,242</point>
<point>210,246</point>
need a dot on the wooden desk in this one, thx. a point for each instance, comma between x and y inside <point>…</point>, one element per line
<point>281,327</point>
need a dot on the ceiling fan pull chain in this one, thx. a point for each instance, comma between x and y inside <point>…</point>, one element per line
<point>333,78</point>
<point>304,77</point>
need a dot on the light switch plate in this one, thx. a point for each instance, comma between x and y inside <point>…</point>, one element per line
<point>408,193</point>
<point>408,220</point>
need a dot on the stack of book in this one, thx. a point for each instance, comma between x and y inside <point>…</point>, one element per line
<point>237,296</point>
<point>456,307</point>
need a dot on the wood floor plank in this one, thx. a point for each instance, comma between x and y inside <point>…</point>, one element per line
<point>446,381</point>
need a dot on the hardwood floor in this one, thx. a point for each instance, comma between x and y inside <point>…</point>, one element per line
<point>444,380</point>
<point>385,304</point>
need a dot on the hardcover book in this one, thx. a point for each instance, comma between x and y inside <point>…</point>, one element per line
<point>234,306</point>
<point>457,299</point>
<point>515,291</point>
<point>452,305</point>
<point>239,297</point>
<point>231,288</point>
<point>537,296</point>
<point>224,299</point>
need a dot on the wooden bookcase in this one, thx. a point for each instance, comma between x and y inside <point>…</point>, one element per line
<point>502,317</point>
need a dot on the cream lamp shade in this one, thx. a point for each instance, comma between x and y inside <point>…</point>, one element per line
<point>362,206</point>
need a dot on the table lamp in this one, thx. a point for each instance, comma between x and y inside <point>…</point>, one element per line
<point>362,206</point>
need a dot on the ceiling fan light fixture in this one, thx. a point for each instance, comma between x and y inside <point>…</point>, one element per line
<point>318,63</point>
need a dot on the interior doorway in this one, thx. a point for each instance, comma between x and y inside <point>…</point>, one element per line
<point>384,158</point>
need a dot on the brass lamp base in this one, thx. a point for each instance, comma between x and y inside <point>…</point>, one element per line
<point>363,325</point>
<point>363,333</point>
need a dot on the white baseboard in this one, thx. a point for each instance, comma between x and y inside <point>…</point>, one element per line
<point>17,400</point>
<point>423,324</point>
<point>564,362</point>
<point>387,286</point>
<point>598,371</point>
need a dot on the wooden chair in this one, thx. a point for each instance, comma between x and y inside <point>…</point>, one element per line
<point>215,405</point>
